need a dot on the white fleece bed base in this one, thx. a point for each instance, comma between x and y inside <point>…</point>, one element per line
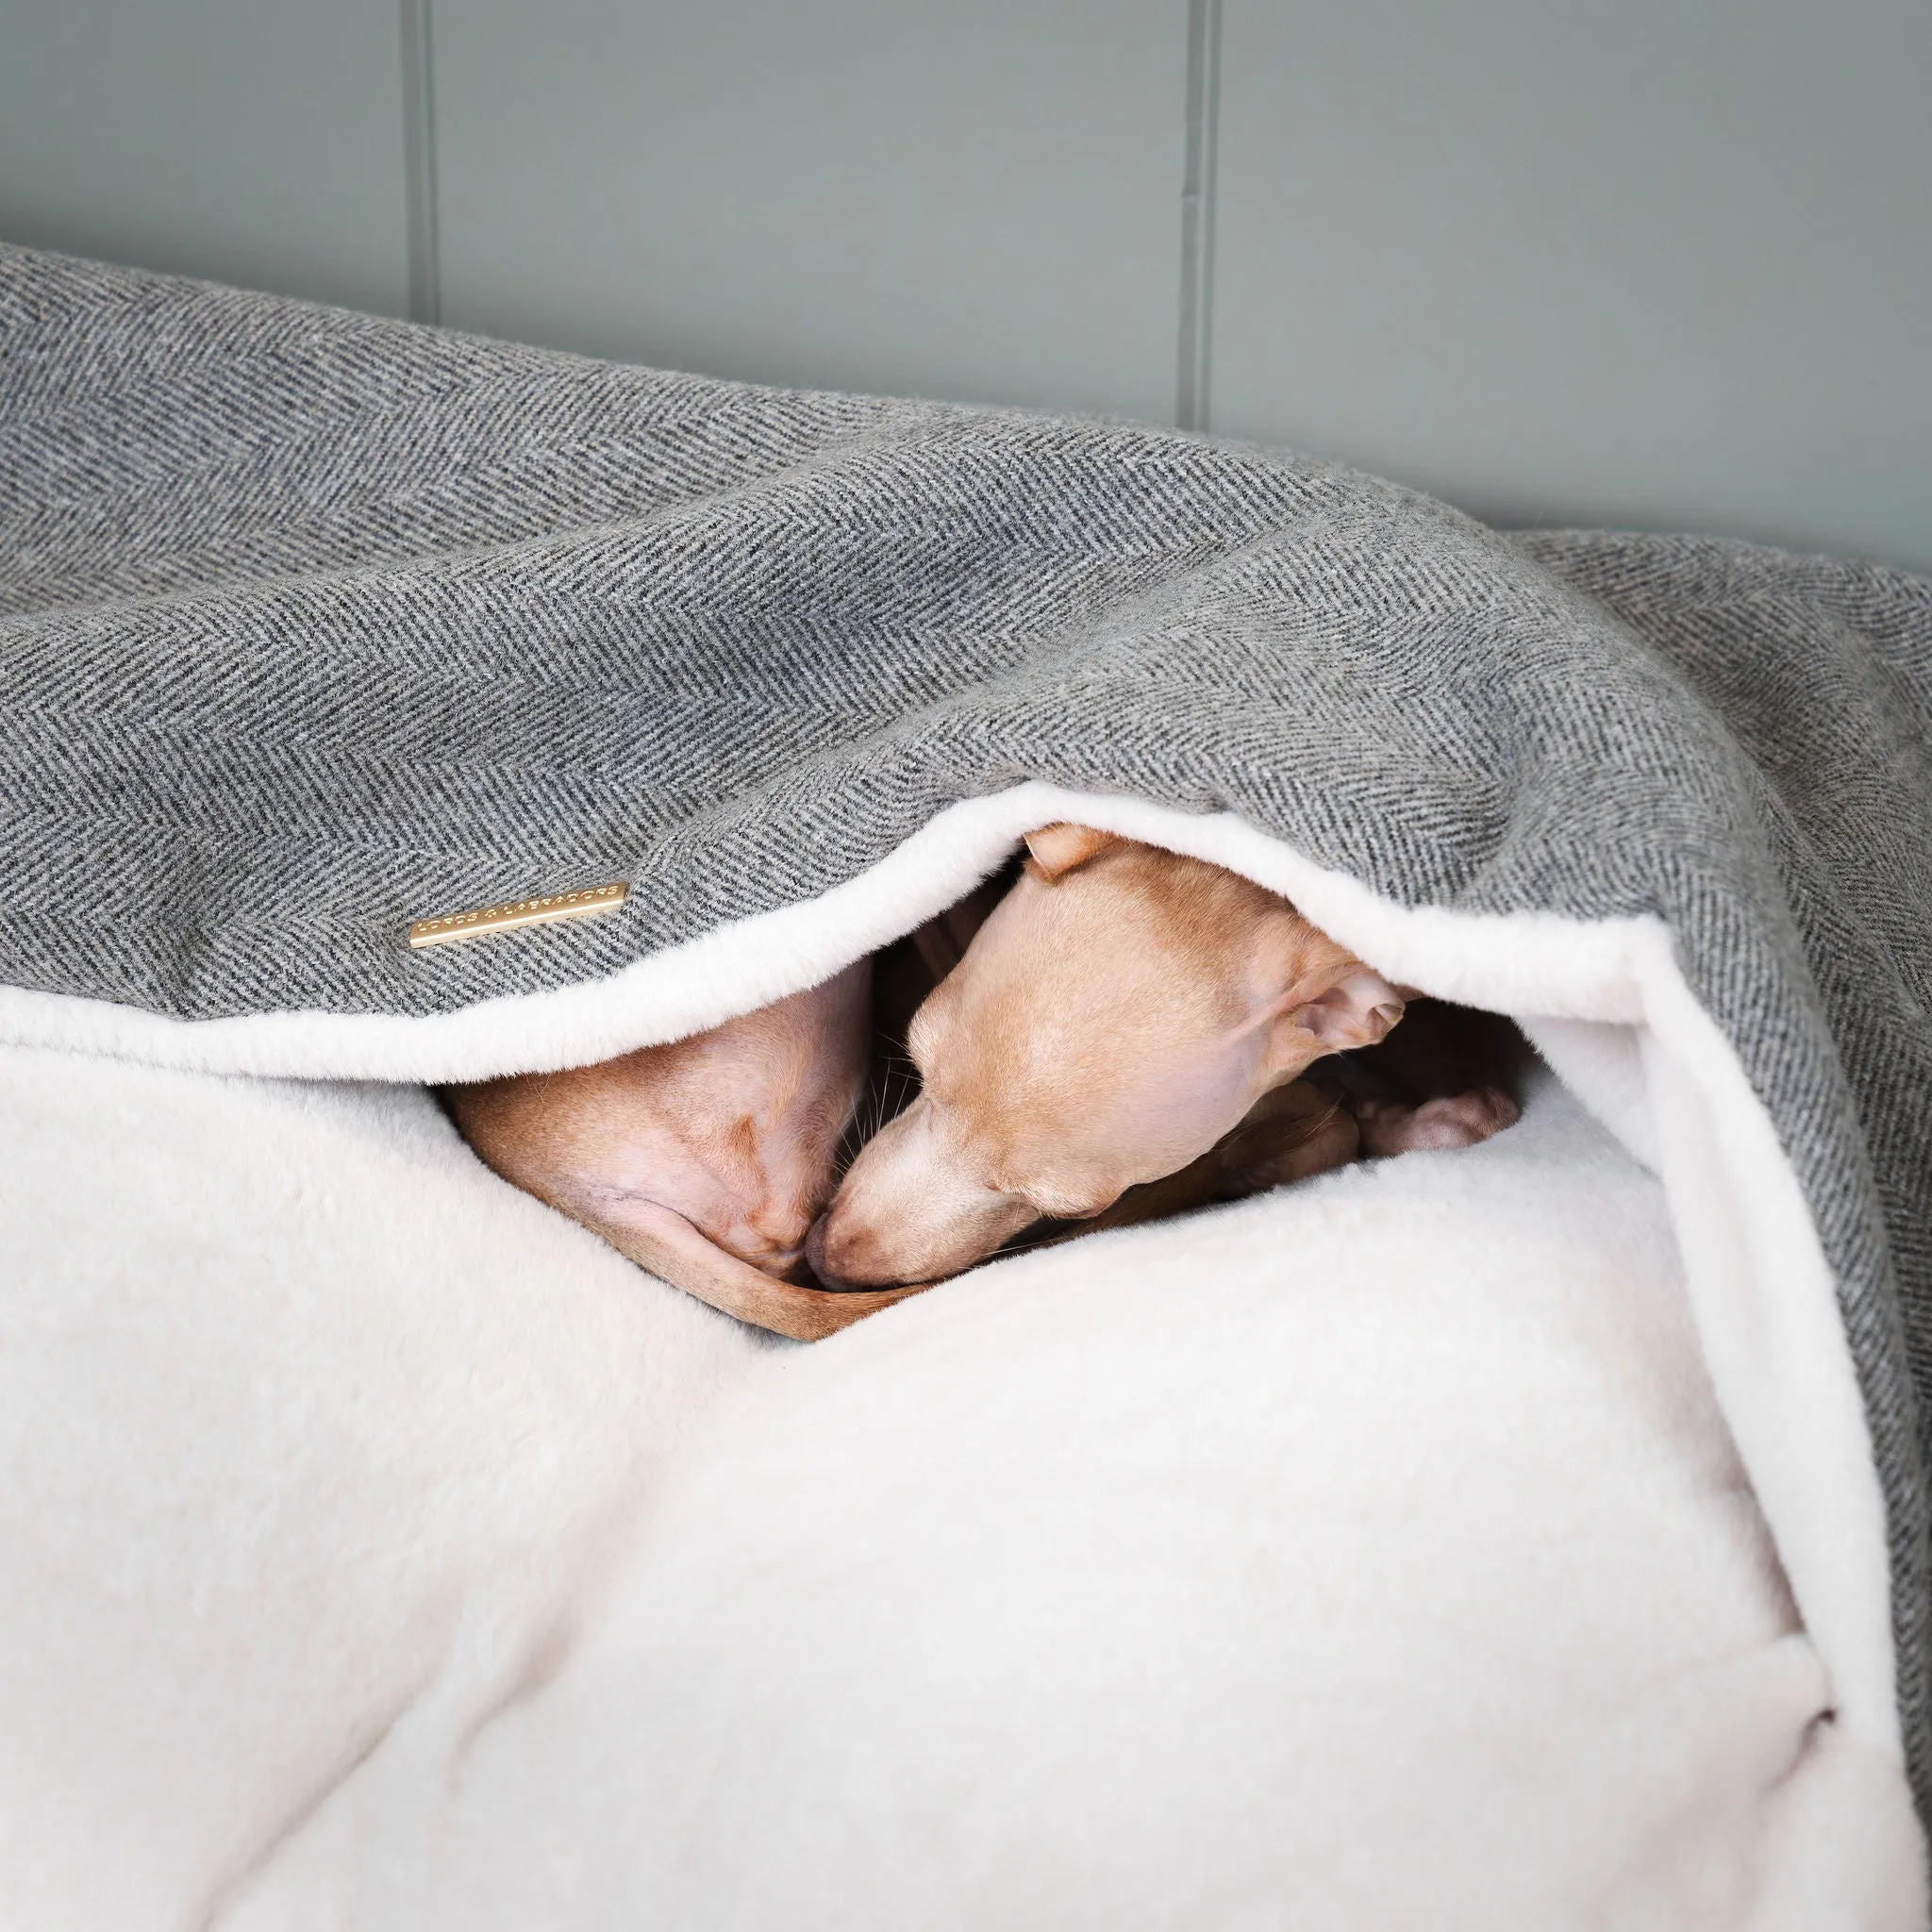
<point>379,1550</point>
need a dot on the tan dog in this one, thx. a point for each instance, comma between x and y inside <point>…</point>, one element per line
<point>705,1160</point>
<point>1119,1016</point>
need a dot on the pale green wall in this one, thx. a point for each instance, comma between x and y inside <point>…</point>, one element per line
<point>249,141</point>
<point>1663,263</point>
<point>970,200</point>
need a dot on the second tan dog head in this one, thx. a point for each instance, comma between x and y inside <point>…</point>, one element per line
<point>1122,1009</point>
<point>734,1130</point>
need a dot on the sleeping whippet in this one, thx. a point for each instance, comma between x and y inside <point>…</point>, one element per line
<point>1125,1017</point>
<point>1125,1035</point>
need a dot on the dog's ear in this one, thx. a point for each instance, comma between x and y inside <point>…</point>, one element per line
<point>1356,1010</point>
<point>1057,849</point>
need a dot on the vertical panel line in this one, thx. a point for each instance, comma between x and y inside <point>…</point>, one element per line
<point>1194,385</point>
<point>419,163</point>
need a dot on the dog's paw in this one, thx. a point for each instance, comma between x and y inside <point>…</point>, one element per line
<point>1457,1120</point>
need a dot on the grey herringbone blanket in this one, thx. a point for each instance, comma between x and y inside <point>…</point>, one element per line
<point>311,623</point>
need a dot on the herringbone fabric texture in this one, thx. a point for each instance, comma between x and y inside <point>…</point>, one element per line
<point>312,624</point>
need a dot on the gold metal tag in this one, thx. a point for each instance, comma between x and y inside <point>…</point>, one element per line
<point>556,906</point>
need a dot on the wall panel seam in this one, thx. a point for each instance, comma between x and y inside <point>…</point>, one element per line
<point>1194,376</point>
<point>419,162</point>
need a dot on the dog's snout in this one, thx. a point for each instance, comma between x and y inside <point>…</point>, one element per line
<point>816,1257</point>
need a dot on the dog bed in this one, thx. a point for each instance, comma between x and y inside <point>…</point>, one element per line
<point>317,626</point>
<point>383,1551</point>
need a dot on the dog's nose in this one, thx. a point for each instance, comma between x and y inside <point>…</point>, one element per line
<point>815,1255</point>
<point>827,1275</point>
